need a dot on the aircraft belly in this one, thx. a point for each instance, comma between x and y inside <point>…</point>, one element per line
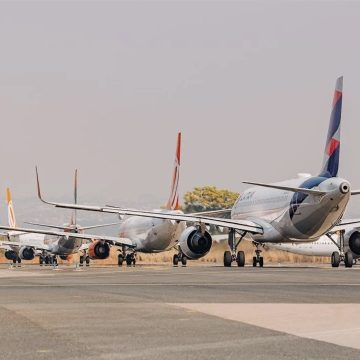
<point>68,245</point>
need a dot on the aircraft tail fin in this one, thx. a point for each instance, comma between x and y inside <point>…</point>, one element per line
<point>11,213</point>
<point>173,202</point>
<point>74,214</point>
<point>332,147</point>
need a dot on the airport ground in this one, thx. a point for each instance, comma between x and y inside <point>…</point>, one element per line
<point>197,312</point>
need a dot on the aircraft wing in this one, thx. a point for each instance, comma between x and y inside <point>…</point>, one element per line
<point>27,244</point>
<point>241,225</point>
<point>346,225</point>
<point>110,239</point>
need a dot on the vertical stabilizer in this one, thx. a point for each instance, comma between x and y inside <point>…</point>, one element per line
<point>173,202</point>
<point>11,213</point>
<point>332,147</point>
<point>73,218</point>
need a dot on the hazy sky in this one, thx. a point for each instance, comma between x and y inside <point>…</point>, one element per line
<point>105,87</point>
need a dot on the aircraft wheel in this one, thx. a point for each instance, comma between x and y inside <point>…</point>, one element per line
<point>335,259</point>
<point>348,259</point>
<point>227,259</point>
<point>133,260</point>
<point>183,260</point>
<point>41,260</point>
<point>120,259</point>
<point>128,260</point>
<point>14,261</point>
<point>261,261</point>
<point>254,261</point>
<point>240,259</point>
<point>87,260</point>
<point>175,260</point>
<point>46,260</point>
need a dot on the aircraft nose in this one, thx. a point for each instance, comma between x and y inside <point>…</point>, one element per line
<point>344,187</point>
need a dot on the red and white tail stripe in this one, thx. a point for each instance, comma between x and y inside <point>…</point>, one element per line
<point>173,202</point>
<point>11,213</point>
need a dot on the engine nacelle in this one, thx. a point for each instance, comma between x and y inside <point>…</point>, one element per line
<point>26,253</point>
<point>194,244</point>
<point>99,250</point>
<point>352,239</point>
<point>10,255</point>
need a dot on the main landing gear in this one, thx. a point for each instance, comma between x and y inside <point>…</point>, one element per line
<point>180,257</point>
<point>341,256</point>
<point>48,260</point>
<point>84,259</point>
<point>129,258</point>
<point>231,256</point>
<point>16,260</point>
<point>258,259</point>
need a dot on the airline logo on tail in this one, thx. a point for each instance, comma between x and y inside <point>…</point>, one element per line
<point>173,202</point>
<point>332,149</point>
<point>11,213</point>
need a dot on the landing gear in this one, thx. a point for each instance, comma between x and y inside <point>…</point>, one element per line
<point>130,259</point>
<point>258,259</point>
<point>338,257</point>
<point>81,260</point>
<point>175,260</point>
<point>87,260</point>
<point>120,259</point>
<point>335,259</point>
<point>230,256</point>
<point>348,260</point>
<point>41,260</point>
<point>183,260</point>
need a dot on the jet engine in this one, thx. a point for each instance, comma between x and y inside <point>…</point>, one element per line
<point>10,255</point>
<point>194,244</point>
<point>352,239</point>
<point>26,253</point>
<point>99,250</point>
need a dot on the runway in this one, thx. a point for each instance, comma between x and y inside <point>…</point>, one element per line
<point>198,312</point>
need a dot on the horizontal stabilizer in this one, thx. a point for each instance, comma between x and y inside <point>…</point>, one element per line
<point>355,192</point>
<point>79,228</point>
<point>288,188</point>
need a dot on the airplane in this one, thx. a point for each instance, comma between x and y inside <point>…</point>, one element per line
<point>325,246</point>
<point>25,244</point>
<point>290,211</point>
<point>151,235</point>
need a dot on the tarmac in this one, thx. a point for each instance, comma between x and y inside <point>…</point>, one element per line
<point>197,312</point>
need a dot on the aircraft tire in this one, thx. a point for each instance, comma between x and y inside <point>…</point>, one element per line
<point>81,260</point>
<point>348,259</point>
<point>227,259</point>
<point>128,260</point>
<point>183,260</point>
<point>254,261</point>
<point>120,259</point>
<point>240,259</point>
<point>175,260</point>
<point>335,259</point>
<point>87,261</point>
<point>261,261</point>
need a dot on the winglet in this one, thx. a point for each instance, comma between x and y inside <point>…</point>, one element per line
<point>38,186</point>
<point>11,213</point>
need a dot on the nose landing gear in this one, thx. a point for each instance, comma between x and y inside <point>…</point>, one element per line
<point>258,259</point>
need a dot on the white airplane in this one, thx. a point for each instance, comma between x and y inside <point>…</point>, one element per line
<point>327,245</point>
<point>25,244</point>
<point>290,211</point>
<point>150,235</point>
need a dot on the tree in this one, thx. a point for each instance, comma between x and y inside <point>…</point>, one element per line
<point>208,198</point>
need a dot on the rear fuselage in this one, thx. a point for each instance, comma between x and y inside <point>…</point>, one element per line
<point>152,235</point>
<point>294,216</point>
